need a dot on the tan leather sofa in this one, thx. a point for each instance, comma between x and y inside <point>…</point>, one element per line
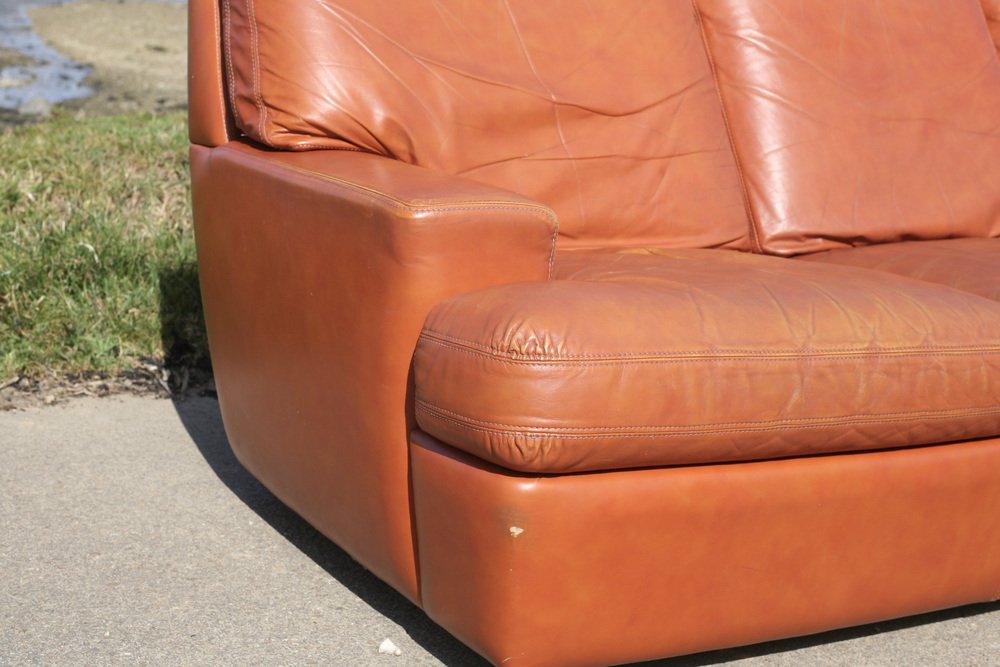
<point>614,330</point>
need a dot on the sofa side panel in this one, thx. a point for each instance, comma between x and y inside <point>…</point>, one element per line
<point>616,567</point>
<point>314,293</point>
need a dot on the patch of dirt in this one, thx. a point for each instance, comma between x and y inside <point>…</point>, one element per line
<point>17,393</point>
<point>138,52</point>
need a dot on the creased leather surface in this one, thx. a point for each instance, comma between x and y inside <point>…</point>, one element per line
<point>971,265</point>
<point>606,112</point>
<point>858,122</point>
<point>317,271</point>
<point>697,356</point>
<point>631,565</point>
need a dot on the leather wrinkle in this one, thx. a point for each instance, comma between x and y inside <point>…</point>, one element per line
<point>555,113</point>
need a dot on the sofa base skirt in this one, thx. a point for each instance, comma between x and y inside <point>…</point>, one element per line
<point>607,568</point>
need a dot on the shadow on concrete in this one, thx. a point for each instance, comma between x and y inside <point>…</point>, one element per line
<point>832,637</point>
<point>203,422</point>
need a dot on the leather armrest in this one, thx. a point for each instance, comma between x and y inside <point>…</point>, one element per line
<point>317,271</point>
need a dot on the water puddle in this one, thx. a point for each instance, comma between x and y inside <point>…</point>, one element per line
<point>37,75</point>
<point>34,77</point>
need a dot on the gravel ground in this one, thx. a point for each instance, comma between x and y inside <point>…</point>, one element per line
<point>130,535</point>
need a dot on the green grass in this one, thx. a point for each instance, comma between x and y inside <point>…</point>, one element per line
<point>97,258</point>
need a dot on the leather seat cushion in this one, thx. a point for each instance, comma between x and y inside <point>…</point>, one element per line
<point>971,265</point>
<point>677,357</point>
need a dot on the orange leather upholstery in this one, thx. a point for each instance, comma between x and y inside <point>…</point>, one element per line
<point>606,568</point>
<point>317,271</point>
<point>992,8</point>
<point>502,93</point>
<point>860,122</point>
<point>971,265</point>
<point>698,356</point>
<point>209,122</point>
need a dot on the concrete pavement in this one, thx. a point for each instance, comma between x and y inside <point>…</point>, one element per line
<point>130,535</point>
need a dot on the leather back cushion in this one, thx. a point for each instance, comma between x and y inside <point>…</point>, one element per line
<point>605,110</point>
<point>858,122</point>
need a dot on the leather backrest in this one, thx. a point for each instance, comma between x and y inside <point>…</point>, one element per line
<point>209,121</point>
<point>605,110</point>
<point>860,122</point>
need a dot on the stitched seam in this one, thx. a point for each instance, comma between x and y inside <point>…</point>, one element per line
<point>219,67</point>
<point>703,429</point>
<point>228,20</point>
<point>450,337</point>
<point>378,195</point>
<point>944,412</point>
<point>255,60</point>
<point>753,226</point>
<point>723,355</point>
<point>308,144</point>
<point>733,358</point>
